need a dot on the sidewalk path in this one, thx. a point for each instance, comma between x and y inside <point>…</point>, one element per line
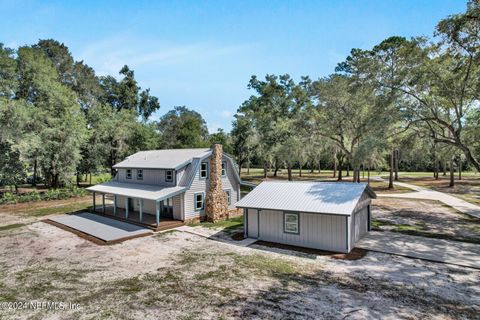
<point>427,194</point>
<point>439,250</point>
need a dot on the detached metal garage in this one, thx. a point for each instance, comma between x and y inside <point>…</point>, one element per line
<point>330,216</point>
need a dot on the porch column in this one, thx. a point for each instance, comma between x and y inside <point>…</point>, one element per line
<point>94,202</point>
<point>103,203</point>
<point>141,210</point>
<point>115,205</point>
<point>126,207</point>
<point>157,212</point>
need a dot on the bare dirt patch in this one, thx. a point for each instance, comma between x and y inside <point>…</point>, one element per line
<point>424,217</point>
<point>178,275</point>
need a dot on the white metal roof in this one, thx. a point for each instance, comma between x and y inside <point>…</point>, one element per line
<point>162,159</point>
<point>319,197</point>
<point>139,191</point>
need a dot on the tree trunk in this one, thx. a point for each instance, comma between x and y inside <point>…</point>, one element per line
<point>348,170</point>
<point>368,175</point>
<point>390,180</point>
<point>90,179</point>
<point>78,179</point>
<point>334,166</point>
<point>396,159</point>
<point>354,174</point>
<point>276,168</point>
<point>452,173</point>
<point>444,167</point>
<point>248,166</point>
<point>459,167</point>
<point>363,171</point>
<point>289,168</point>
<point>265,168</point>
<point>435,167</point>
<point>319,166</point>
<point>300,165</point>
<point>339,178</point>
<point>312,166</point>
<point>34,182</point>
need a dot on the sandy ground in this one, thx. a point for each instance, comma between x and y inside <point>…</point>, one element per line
<point>179,275</point>
<point>426,216</point>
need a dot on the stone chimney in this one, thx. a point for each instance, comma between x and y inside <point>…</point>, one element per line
<point>216,206</point>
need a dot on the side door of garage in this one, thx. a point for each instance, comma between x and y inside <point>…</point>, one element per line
<point>252,223</point>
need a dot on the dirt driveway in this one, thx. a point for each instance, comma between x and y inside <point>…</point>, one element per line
<point>180,275</point>
<point>424,218</point>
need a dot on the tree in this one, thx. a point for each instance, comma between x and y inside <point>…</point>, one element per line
<point>56,119</point>
<point>182,128</point>
<point>351,114</point>
<point>126,94</point>
<point>223,138</point>
<point>12,169</point>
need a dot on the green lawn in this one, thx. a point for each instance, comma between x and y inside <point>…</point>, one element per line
<point>228,224</point>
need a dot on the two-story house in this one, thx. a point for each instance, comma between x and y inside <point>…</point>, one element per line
<point>167,184</point>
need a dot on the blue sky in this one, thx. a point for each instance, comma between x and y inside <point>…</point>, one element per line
<point>202,53</point>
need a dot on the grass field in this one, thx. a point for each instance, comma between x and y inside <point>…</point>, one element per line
<point>256,176</point>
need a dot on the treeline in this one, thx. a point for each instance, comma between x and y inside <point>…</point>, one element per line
<point>411,101</point>
<point>59,119</point>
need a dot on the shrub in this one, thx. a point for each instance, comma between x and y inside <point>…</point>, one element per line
<point>8,197</point>
<point>30,196</point>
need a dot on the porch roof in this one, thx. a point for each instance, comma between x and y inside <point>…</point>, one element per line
<point>139,191</point>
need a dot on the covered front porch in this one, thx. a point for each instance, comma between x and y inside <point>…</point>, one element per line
<point>155,207</point>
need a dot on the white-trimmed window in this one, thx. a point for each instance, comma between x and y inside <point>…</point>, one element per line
<point>291,222</point>
<point>229,196</point>
<point>204,170</point>
<point>198,199</point>
<point>169,175</point>
<point>129,174</point>
<point>224,168</point>
<point>139,174</point>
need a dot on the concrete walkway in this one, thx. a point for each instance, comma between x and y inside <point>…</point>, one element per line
<point>427,194</point>
<point>452,252</point>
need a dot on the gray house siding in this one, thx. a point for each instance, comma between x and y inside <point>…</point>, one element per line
<point>200,185</point>
<point>149,206</point>
<point>150,176</point>
<point>252,222</point>
<point>358,221</point>
<point>318,231</point>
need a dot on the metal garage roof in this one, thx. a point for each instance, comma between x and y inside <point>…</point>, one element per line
<point>139,191</point>
<point>319,197</point>
<point>163,159</point>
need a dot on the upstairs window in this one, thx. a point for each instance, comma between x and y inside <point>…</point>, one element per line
<point>139,174</point>
<point>169,176</point>
<point>199,200</point>
<point>224,169</point>
<point>204,170</point>
<point>129,174</point>
<point>229,196</point>
<point>291,223</point>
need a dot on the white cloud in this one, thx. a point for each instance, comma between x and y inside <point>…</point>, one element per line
<point>109,56</point>
<point>213,127</point>
<point>226,114</point>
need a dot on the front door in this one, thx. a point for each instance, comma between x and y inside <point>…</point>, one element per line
<point>130,204</point>
<point>166,208</point>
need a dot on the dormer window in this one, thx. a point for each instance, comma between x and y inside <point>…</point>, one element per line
<point>139,174</point>
<point>129,174</point>
<point>204,170</point>
<point>169,175</point>
<point>224,169</point>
